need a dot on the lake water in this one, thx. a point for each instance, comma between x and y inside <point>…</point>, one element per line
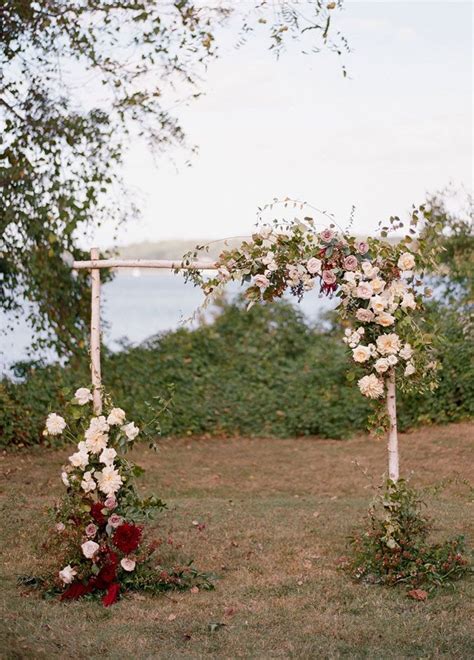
<point>138,307</point>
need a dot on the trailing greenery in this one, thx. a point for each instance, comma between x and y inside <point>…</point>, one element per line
<point>394,550</point>
<point>265,372</point>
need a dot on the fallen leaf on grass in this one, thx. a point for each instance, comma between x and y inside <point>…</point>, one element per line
<point>194,590</point>
<point>172,617</point>
<point>418,594</point>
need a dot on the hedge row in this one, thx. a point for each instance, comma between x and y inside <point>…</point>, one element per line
<point>265,372</point>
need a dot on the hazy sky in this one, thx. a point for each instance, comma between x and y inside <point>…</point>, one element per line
<point>401,125</point>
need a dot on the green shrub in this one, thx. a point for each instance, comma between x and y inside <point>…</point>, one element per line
<point>265,372</point>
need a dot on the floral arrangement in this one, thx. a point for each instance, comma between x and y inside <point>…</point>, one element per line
<point>377,281</point>
<point>394,548</point>
<point>99,538</point>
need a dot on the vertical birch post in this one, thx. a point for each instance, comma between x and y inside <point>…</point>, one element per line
<point>393,458</point>
<point>95,336</point>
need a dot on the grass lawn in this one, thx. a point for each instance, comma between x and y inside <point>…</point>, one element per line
<point>276,514</point>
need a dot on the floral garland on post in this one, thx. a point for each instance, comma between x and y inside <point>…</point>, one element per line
<point>378,283</point>
<point>99,538</point>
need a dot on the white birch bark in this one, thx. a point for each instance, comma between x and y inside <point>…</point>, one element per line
<point>393,456</point>
<point>95,336</point>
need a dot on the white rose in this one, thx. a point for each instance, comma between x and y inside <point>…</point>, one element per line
<point>378,304</point>
<point>361,354</point>
<point>107,456</point>
<point>408,301</point>
<point>130,430</point>
<point>364,290</point>
<point>410,369</point>
<point>83,396</point>
<point>385,319</point>
<point>55,424</point>
<point>89,549</point>
<point>79,460</point>
<point>67,574</point>
<point>88,484</point>
<point>406,352</point>
<point>314,265</point>
<point>96,435</point>
<point>398,288</point>
<point>65,479</point>
<point>109,480</point>
<point>392,360</point>
<point>369,270</point>
<point>382,365</point>
<point>406,261</point>
<point>127,564</point>
<point>116,417</point>
<point>371,386</point>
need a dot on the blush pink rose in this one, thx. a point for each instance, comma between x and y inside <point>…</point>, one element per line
<point>364,315</point>
<point>362,247</point>
<point>327,235</point>
<point>350,262</point>
<point>110,502</point>
<point>91,530</point>
<point>115,520</point>
<point>328,277</point>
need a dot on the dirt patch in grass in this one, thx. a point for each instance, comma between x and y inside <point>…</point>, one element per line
<point>274,517</point>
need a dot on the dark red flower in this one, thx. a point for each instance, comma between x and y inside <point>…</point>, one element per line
<point>111,595</point>
<point>96,513</point>
<point>76,590</point>
<point>127,537</point>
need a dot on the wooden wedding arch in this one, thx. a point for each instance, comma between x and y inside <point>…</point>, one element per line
<point>94,265</point>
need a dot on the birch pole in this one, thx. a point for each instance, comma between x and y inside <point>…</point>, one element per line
<point>393,457</point>
<point>95,336</point>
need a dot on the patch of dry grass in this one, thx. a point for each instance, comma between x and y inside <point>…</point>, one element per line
<point>277,514</point>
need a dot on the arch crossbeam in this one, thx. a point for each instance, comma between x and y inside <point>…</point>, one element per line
<point>94,265</point>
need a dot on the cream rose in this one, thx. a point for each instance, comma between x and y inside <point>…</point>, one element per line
<point>130,430</point>
<point>378,285</point>
<point>382,365</point>
<point>116,417</point>
<point>88,484</point>
<point>378,304</point>
<point>406,261</point>
<point>55,424</point>
<point>388,344</point>
<point>385,320</point>
<point>361,354</point>
<point>410,369</point>
<point>83,396</point>
<point>408,301</point>
<point>406,352</point>
<point>107,456</point>
<point>371,386</point>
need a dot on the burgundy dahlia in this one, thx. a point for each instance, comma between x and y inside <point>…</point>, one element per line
<point>96,513</point>
<point>127,537</point>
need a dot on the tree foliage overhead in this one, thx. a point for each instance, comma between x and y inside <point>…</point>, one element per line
<point>79,78</point>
